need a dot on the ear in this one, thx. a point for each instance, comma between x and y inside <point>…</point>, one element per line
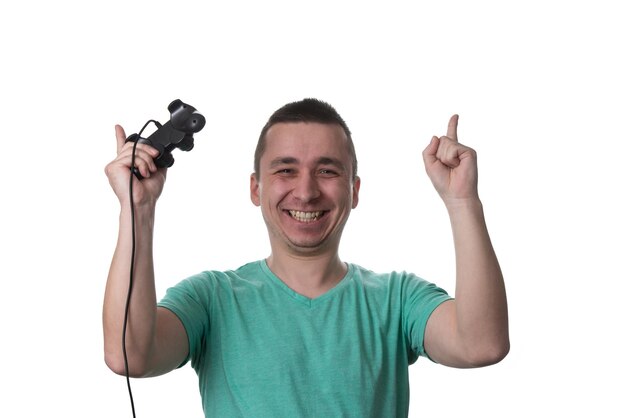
<point>355,191</point>
<point>255,190</point>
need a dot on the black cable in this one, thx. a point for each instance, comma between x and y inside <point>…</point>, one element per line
<point>132,262</point>
<point>130,279</point>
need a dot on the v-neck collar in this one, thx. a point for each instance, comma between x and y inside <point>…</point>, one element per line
<point>304,300</point>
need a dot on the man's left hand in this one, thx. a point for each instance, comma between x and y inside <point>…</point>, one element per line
<point>452,166</point>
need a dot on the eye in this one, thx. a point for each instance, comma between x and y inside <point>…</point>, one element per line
<point>327,172</point>
<point>285,171</point>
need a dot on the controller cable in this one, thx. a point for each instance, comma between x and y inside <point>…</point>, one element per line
<point>132,261</point>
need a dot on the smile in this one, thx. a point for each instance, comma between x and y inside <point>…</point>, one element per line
<point>301,216</point>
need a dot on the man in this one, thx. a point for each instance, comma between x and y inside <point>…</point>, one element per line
<point>301,333</point>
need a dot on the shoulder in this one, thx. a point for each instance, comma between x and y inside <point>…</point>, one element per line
<point>399,286</point>
<point>398,280</point>
<point>210,281</point>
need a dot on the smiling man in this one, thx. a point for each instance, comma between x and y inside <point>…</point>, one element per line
<point>306,187</point>
<point>302,333</point>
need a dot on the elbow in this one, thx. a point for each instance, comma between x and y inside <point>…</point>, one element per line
<point>116,363</point>
<point>489,354</point>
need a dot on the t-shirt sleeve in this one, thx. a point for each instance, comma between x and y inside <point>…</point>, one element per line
<point>421,298</point>
<point>190,301</point>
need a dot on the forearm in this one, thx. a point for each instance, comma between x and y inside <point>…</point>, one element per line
<point>141,325</point>
<point>481,305</point>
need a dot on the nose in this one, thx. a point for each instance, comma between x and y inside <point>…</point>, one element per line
<point>306,188</point>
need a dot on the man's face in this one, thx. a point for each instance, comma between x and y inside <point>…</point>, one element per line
<point>305,187</point>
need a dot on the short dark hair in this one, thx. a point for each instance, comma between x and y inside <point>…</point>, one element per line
<point>306,110</point>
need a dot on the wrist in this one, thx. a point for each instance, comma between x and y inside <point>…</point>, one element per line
<point>144,213</point>
<point>463,205</point>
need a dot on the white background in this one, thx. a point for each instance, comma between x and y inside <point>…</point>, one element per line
<point>539,86</point>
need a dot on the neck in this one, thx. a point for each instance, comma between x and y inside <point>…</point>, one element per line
<point>310,276</point>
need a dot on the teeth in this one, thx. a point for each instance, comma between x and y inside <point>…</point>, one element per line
<point>305,216</point>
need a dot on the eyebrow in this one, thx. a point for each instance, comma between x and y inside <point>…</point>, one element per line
<point>331,161</point>
<point>320,161</point>
<point>283,161</point>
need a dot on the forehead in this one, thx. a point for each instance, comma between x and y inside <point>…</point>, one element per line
<point>306,139</point>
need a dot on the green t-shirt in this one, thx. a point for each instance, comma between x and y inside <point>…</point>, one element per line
<point>262,350</point>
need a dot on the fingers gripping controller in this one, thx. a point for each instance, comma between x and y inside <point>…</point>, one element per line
<point>177,133</point>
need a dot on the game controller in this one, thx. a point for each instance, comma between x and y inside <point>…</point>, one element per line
<point>177,133</point>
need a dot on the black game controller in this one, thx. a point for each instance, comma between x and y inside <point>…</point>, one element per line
<point>177,133</point>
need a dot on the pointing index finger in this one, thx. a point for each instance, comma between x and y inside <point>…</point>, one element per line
<point>452,125</point>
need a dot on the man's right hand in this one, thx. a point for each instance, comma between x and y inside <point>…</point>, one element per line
<point>157,341</point>
<point>146,191</point>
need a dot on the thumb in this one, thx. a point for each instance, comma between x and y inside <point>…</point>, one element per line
<point>430,152</point>
<point>120,135</point>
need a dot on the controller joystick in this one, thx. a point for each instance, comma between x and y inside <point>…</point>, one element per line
<point>177,133</point>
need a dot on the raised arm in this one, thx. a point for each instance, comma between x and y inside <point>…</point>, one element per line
<point>472,330</point>
<point>156,341</point>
